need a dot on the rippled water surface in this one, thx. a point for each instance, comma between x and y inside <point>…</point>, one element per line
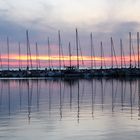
<point>54,109</point>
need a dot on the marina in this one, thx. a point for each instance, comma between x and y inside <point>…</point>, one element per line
<point>65,68</point>
<point>69,70</point>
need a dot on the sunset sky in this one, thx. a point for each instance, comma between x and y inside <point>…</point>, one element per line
<point>43,19</point>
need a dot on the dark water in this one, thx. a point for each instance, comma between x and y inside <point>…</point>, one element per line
<point>100,109</point>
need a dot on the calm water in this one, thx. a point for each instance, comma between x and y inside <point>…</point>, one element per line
<point>100,109</point>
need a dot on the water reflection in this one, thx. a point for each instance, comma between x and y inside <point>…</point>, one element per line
<point>139,99</point>
<point>124,94</point>
<point>61,100</point>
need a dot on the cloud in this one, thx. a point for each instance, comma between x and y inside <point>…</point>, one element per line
<point>126,27</point>
<point>101,32</point>
<point>3,11</point>
<point>104,18</point>
<point>56,14</point>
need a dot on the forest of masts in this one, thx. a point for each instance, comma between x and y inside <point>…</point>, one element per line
<point>95,69</point>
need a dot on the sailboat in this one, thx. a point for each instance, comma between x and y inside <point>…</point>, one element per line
<point>70,71</point>
<point>73,71</point>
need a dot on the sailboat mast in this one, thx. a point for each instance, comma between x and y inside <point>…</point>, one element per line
<point>8,51</point>
<point>91,50</point>
<point>77,48</point>
<point>70,53</point>
<point>30,55</point>
<point>130,48</point>
<point>81,54</point>
<point>59,38</point>
<point>27,37</point>
<point>36,57</point>
<point>28,51</point>
<point>19,49</point>
<point>49,52</point>
<point>111,53</point>
<point>38,60</point>
<point>134,55</point>
<point>62,54</point>
<point>101,55</point>
<point>121,52</point>
<point>123,57</point>
<point>138,43</point>
<point>0,60</point>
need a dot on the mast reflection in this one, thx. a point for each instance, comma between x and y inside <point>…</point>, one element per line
<point>29,92</point>
<point>1,94</point>
<point>9,98</point>
<point>67,98</point>
<point>138,99</point>
<point>78,103</point>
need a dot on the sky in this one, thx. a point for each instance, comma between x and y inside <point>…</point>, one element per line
<point>43,19</point>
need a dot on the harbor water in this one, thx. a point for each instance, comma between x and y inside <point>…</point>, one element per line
<point>70,109</point>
